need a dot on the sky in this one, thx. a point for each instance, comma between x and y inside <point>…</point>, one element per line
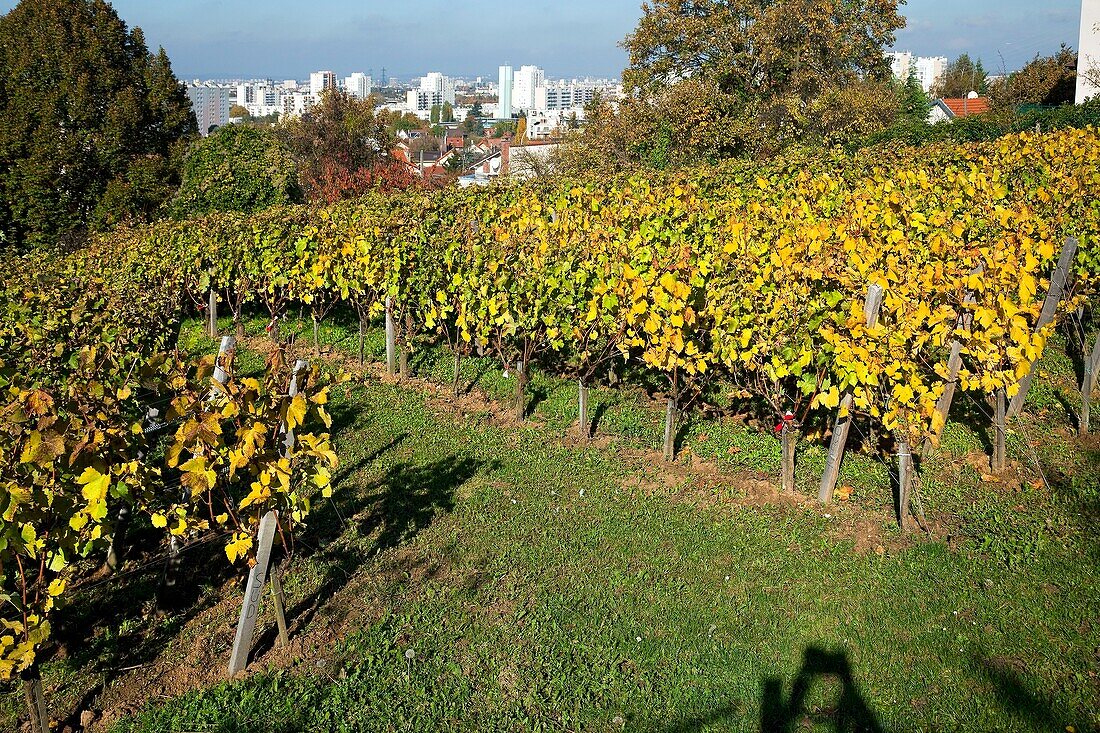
<point>286,39</point>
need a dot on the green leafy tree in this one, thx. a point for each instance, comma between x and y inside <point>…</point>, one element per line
<point>396,122</point>
<point>238,111</point>
<point>237,168</point>
<point>90,121</point>
<point>962,76</point>
<point>448,113</point>
<point>504,127</point>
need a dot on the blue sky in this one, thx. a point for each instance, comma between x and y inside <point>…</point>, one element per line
<point>288,38</point>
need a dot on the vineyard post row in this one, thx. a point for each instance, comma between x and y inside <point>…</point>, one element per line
<point>661,271</point>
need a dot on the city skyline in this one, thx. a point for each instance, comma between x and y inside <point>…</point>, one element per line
<point>222,39</point>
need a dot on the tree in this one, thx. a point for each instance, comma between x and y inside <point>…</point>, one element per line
<point>521,129</point>
<point>448,114</point>
<point>425,143</point>
<point>237,168</point>
<point>91,122</point>
<point>433,115</point>
<point>712,79</point>
<point>473,125</point>
<point>761,48</point>
<point>961,77</point>
<point>396,122</point>
<point>238,111</point>
<point>502,128</point>
<point>1045,80</point>
<point>338,144</point>
<point>915,102</point>
<point>849,115</point>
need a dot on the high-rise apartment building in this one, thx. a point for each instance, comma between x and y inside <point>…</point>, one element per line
<point>527,79</point>
<point>504,93</point>
<point>211,105</point>
<point>358,85</point>
<point>435,89</point>
<point>319,81</point>
<point>562,95</point>
<point>928,69</point>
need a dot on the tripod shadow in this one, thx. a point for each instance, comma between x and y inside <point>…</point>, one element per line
<point>850,713</point>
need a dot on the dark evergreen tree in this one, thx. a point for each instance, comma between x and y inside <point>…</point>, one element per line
<point>91,122</point>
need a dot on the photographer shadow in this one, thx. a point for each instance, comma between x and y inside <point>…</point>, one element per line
<point>851,713</point>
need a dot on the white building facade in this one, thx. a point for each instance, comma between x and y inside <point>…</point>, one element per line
<point>563,95</point>
<point>928,69</point>
<point>1088,54</point>
<point>435,90</point>
<point>358,85</point>
<point>320,81</point>
<point>296,104</point>
<point>527,80</point>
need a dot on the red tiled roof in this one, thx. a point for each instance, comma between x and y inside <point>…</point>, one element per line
<point>966,107</point>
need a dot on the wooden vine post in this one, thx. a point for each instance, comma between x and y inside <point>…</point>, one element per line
<point>258,575</point>
<point>1000,453</point>
<point>954,364</point>
<point>1088,384</point>
<point>391,339</point>
<point>227,346</point>
<point>788,437</point>
<point>36,700</point>
<point>212,307</point>
<point>871,308</point>
<point>905,480</point>
<point>582,408</point>
<point>246,625</point>
<point>1050,309</point>
<point>458,373</point>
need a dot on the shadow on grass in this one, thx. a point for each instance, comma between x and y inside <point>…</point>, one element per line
<point>851,712</point>
<point>484,367</point>
<point>400,504</point>
<point>1036,709</point>
<point>781,713</point>
<point>1072,412</point>
<point>118,605</point>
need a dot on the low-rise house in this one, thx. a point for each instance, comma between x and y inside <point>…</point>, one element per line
<point>945,110</point>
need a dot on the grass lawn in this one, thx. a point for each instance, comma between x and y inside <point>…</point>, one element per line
<point>475,574</point>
